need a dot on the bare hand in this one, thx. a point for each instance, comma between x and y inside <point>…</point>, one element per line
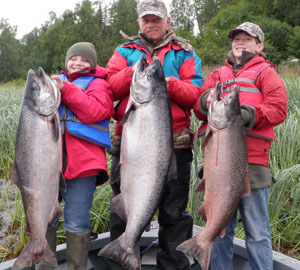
<point>58,82</point>
<point>209,97</point>
<point>167,80</point>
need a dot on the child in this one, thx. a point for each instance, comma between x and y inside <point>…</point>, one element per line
<point>85,99</point>
<point>263,101</point>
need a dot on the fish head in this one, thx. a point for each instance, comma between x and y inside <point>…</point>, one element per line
<point>147,80</point>
<point>40,94</point>
<point>224,109</point>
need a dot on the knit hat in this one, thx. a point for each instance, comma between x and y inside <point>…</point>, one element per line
<point>153,7</point>
<point>250,28</point>
<point>84,49</point>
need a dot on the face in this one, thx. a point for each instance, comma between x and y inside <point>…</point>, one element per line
<point>77,63</point>
<point>154,27</point>
<point>243,42</point>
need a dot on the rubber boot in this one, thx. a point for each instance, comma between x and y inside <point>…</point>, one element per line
<point>52,239</point>
<point>77,250</point>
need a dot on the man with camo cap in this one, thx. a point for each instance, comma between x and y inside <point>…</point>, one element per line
<point>263,100</point>
<point>182,68</point>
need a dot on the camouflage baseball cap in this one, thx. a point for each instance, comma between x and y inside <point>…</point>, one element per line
<point>250,28</point>
<point>153,7</point>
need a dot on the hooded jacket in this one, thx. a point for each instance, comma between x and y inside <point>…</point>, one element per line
<point>179,62</point>
<point>82,158</point>
<point>269,112</point>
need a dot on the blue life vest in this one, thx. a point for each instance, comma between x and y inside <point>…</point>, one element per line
<point>97,133</point>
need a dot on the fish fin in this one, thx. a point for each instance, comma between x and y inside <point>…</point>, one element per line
<point>208,134</point>
<point>47,258</point>
<point>62,181</point>
<point>15,175</point>
<point>247,186</point>
<point>172,173</point>
<point>127,257</point>
<point>201,186</point>
<point>117,206</point>
<point>26,259</point>
<point>55,214</point>
<point>203,211</point>
<point>115,174</point>
<point>201,251</point>
<point>56,124</point>
<point>27,229</point>
<point>222,233</point>
<point>125,117</point>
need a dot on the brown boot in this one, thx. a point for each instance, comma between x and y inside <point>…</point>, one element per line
<point>77,250</point>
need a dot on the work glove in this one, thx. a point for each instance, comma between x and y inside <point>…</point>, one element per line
<point>202,102</point>
<point>248,116</point>
<point>183,139</point>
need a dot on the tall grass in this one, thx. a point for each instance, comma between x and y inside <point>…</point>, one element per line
<point>9,109</point>
<point>284,199</point>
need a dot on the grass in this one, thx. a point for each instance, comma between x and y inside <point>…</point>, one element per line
<point>284,199</point>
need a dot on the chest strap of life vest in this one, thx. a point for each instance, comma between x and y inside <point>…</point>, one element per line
<point>97,133</point>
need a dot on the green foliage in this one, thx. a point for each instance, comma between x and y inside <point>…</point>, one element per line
<point>182,14</point>
<point>214,43</point>
<point>286,11</point>
<point>10,53</point>
<point>277,35</point>
<point>293,44</point>
<point>9,110</point>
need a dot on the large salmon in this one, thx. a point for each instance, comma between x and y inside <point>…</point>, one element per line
<point>225,173</point>
<point>147,159</point>
<point>37,166</point>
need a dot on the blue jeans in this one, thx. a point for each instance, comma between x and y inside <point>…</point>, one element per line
<point>78,202</point>
<point>254,213</point>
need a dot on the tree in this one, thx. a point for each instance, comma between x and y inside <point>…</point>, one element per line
<point>123,17</point>
<point>294,43</point>
<point>182,14</point>
<point>205,10</point>
<point>277,36</point>
<point>286,11</point>
<point>32,53</point>
<point>10,53</point>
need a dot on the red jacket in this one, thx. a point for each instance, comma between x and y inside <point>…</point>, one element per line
<point>183,68</point>
<point>269,112</point>
<point>92,105</point>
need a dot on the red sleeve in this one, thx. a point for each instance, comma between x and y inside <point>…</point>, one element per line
<point>93,105</point>
<point>273,110</point>
<point>119,76</point>
<point>210,82</point>
<point>183,91</point>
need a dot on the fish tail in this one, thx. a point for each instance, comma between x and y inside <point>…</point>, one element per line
<point>47,257</point>
<point>199,250</point>
<point>129,257</point>
<point>27,259</point>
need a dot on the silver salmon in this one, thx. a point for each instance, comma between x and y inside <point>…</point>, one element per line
<point>225,178</point>
<point>147,160</point>
<point>37,166</point>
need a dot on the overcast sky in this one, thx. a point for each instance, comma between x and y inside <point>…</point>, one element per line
<point>28,14</point>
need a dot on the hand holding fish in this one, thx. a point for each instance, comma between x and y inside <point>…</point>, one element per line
<point>167,80</point>
<point>58,82</point>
